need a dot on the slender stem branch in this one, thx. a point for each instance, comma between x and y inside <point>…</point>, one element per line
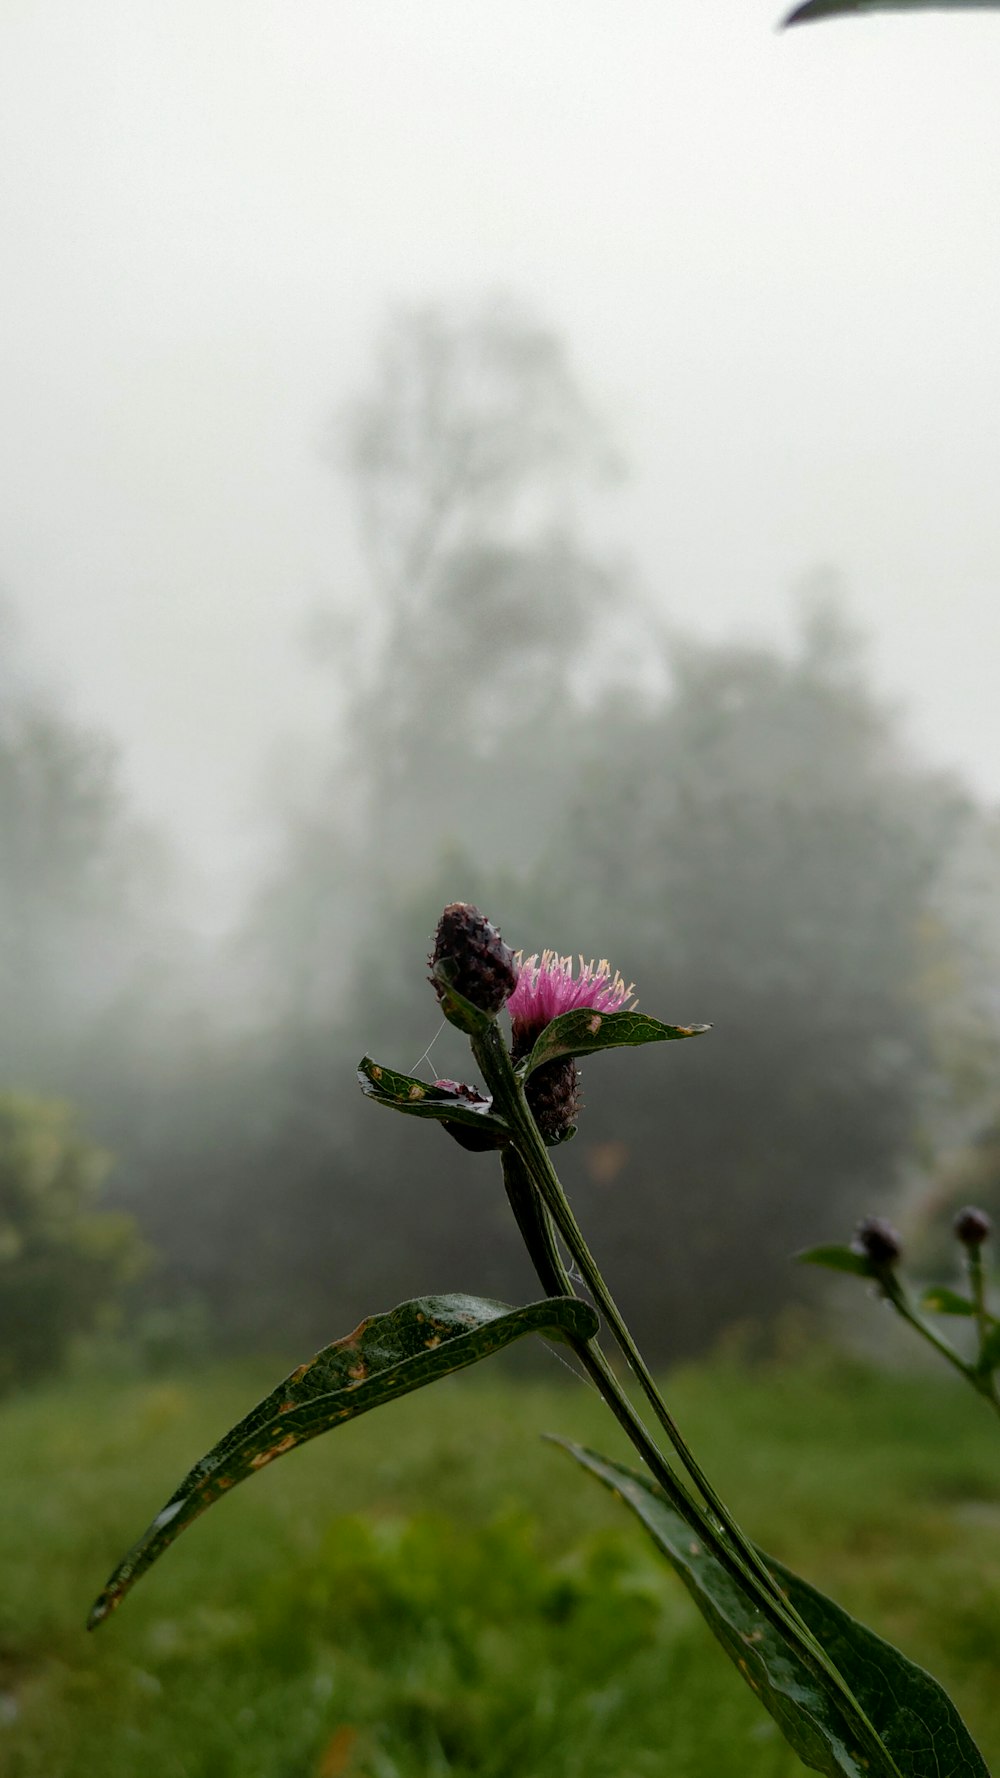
<point>986,1380</point>
<point>904,1308</point>
<point>977,1286</point>
<point>982,1382</point>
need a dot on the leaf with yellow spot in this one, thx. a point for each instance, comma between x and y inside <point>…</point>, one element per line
<point>584,1032</point>
<point>939,1300</point>
<point>386,1357</point>
<point>418,1098</point>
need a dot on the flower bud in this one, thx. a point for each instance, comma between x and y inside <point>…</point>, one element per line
<point>878,1241</point>
<point>484,969</point>
<point>553,1095</point>
<point>972,1227</point>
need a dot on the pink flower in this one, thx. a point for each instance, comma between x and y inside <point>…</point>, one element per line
<point>547,987</point>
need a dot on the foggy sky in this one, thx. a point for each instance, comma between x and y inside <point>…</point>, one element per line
<point>775,260</point>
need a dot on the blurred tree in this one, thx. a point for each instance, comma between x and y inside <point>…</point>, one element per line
<point>63,1260</point>
<point>467,456</point>
<point>471,418</point>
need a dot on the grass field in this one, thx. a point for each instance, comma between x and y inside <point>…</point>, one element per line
<point>435,1591</point>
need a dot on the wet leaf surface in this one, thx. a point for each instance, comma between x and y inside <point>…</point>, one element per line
<point>921,1732</point>
<point>385,1357</point>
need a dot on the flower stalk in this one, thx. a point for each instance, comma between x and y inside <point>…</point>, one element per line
<point>541,1207</point>
<point>983,1381</point>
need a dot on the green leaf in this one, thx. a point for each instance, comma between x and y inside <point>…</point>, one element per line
<point>824,9</point>
<point>838,1259</point>
<point>913,1714</point>
<point>939,1300</point>
<point>918,1730</point>
<point>582,1032</point>
<point>457,1010</point>
<point>387,1356</point>
<point>417,1098</point>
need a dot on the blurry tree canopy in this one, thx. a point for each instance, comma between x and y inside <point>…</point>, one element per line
<point>469,457</point>
<point>63,1259</point>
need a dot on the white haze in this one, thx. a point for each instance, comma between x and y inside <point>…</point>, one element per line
<point>775,259</point>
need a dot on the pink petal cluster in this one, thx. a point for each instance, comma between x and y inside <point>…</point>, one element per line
<point>547,986</point>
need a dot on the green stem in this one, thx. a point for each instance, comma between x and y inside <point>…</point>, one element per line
<point>509,1098</point>
<point>983,1383</point>
<point>985,1379</point>
<point>904,1308</point>
<point>977,1287</point>
<point>536,1228</point>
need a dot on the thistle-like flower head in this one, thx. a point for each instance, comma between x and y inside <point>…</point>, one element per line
<point>548,986</point>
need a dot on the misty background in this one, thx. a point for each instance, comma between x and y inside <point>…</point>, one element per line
<point>543,457</point>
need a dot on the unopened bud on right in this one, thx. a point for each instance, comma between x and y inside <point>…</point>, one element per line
<point>972,1227</point>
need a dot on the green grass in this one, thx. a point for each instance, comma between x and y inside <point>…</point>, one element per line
<point>435,1591</point>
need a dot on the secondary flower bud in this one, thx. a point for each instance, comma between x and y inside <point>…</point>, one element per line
<point>553,1095</point>
<point>546,988</point>
<point>878,1241</point>
<point>484,969</point>
<point>972,1227</point>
